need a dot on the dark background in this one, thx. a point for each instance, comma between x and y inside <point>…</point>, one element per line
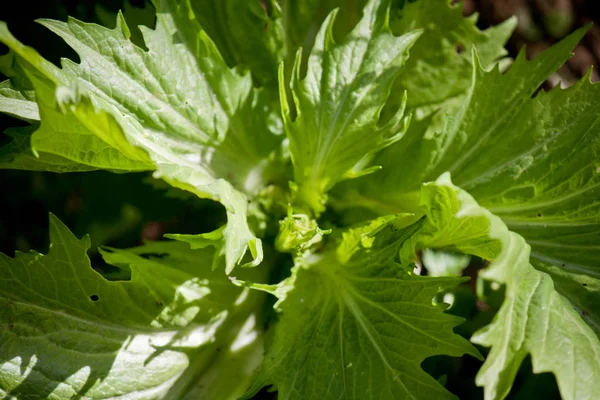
<point>541,23</point>
<point>122,210</point>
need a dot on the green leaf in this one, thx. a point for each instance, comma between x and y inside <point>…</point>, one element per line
<point>302,20</point>
<point>542,173</point>
<point>17,154</point>
<point>533,162</point>
<point>67,331</point>
<point>205,115</point>
<point>17,97</point>
<point>473,143</point>
<point>353,239</point>
<point>126,108</point>
<point>342,289</point>
<point>534,318</point>
<point>135,16</point>
<point>231,240</point>
<point>69,120</point>
<point>441,60</point>
<point>246,33</point>
<point>356,321</point>
<point>338,102</point>
<point>451,225</point>
<point>581,288</point>
<point>17,104</point>
<point>437,77</point>
<point>74,128</point>
<point>359,329</point>
<point>547,191</point>
<point>193,100</point>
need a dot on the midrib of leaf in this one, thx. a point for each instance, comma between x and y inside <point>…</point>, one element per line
<point>548,243</point>
<point>385,311</point>
<point>569,266</point>
<point>528,222</point>
<point>381,205</point>
<point>341,339</point>
<point>92,321</point>
<point>317,326</point>
<point>330,137</point>
<point>555,200</point>
<point>363,323</point>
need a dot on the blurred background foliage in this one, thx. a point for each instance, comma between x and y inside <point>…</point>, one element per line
<point>123,210</point>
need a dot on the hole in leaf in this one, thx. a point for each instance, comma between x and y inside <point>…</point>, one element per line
<point>153,230</point>
<point>539,215</point>
<point>528,385</point>
<point>94,297</point>
<point>149,256</point>
<point>452,373</point>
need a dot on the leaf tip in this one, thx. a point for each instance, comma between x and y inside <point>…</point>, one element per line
<point>122,25</point>
<point>5,36</point>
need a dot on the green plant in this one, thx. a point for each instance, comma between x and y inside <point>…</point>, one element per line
<point>340,155</point>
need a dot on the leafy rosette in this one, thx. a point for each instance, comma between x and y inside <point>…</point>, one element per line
<point>356,138</point>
